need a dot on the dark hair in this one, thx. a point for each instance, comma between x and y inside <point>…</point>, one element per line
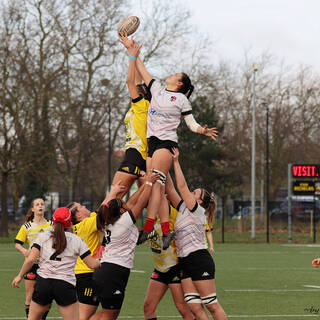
<point>110,213</point>
<point>144,91</point>
<point>59,240</point>
<point>30,213</point>
<point>187,87</point>
<point>74,210</point>
<point>209,203</point>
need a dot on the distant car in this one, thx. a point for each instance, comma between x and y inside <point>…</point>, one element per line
<point>245,212</point>
<point>301,208</point>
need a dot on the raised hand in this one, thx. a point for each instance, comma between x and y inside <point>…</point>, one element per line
<point>210,132</point>
<point>175,154</point>
<point>151,177</point>
<point>126,41</point>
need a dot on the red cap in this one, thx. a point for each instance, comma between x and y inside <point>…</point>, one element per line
<point>62,215</point>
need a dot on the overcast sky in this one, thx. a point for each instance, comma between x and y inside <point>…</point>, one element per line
<point>289,29</point>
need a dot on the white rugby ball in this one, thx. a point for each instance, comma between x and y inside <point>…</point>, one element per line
<point>128,25</point>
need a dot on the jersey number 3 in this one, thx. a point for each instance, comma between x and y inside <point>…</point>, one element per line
<point>108,236</point>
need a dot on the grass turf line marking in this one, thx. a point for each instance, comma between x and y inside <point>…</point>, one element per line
<point>311,286</point>
<point>270,290</point>
<point>134,270</point>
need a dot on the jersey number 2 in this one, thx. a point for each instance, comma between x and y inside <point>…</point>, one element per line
<point>54,257</point>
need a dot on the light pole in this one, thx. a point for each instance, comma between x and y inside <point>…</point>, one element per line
<point>105,83</point>
<point>253,155</point>
<point>267,172</point>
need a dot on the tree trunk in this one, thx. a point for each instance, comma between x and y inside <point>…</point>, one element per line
<point>4,213</point>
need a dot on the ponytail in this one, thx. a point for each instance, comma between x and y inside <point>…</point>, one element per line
<point>186,87</point>
<point>59,240</point>
<point>109,213</point>
<point>210,204</point>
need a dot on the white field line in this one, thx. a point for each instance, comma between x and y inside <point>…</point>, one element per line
<point>134,270</point>
<point>301,245</point>
<point>270,290</point>
<point>311,286</point>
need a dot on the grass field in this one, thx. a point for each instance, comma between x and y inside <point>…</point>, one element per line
<point>254,281</point>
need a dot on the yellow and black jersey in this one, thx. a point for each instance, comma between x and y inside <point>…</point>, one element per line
<point>207,229</point>
<point>164,259</point>
<point>88,232</point>
<point>30,231</point>
<point>136,126</point>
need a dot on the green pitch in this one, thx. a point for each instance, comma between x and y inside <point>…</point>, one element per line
<point>254,281</point>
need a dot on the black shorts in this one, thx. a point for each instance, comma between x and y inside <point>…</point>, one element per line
<point>169,277</point>
<point>46,290</point>
<point>198,265</point>
<point>111,281</point>
<point>154,144</point>
<point>32,273</point>
<point>133,162</point>
<point>86,289</point>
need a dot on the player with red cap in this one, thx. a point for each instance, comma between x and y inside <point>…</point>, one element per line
<point>57,252</point>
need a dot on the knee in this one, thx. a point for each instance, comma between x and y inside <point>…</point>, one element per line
<point>216,309</point>
<point>148,306</point>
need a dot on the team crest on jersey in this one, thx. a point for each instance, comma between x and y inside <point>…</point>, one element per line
<point>173,98</point>
<point>154,275</point>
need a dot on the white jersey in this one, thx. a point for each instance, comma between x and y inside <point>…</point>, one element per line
<point>165,111</point>
<point>121,239</point>
<point>59,267</point>
<point>190,229</point>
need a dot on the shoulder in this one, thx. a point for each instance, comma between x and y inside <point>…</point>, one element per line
<point>27,225</point>
<point>155,85</point>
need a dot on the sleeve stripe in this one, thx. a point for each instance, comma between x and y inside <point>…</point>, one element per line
<point>179,205</point>
<point>18,241</point>
<point>136,99</point>
<point>186,113</point>
<point>150,84</point>
<point>195,207</point>
<point>87,253</point>
<point>37,246</point>
<point>132,216</point>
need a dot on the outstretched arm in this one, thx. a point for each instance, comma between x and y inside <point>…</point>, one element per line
<point>182,186</point>
<point>171,192</point>
<point>145,194</point>
<point>28,263</point>
<point>194,126</point>
<point>146,76</point>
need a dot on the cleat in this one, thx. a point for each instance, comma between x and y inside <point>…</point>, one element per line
<point>167,238</point>
<point>143,236</point>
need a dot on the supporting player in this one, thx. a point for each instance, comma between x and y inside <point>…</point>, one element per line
<point>57,252</point>
<point>35,223</point>
<point>166,275</point>
<point>198,268</point>
<point>88,227</point>
<point>117,259</point>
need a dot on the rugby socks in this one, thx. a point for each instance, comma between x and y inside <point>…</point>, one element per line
<point>27,309</point>
<point>165,227</point>
<point>148,226</point>
<point>152,319</point>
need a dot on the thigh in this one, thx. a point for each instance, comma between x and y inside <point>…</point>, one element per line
<point>37,310</point>
<point>70,312</point>
<point>205,287</point>
<point>29,285</point>
<point>86,311</point>
<point>126,180</point>
<point>155,292</point>
<point>162,160</point>
<point>177,292</point>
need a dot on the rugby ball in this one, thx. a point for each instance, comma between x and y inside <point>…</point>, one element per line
<point>128,25</point>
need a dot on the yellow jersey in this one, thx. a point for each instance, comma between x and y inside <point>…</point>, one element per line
<point>164,259</point>
<point>207,229</point>
<point>88,232</point>
<point>30,231</point>
<point>136,126</point>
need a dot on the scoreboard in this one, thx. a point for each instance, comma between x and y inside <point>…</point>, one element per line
<point>305,171</point>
